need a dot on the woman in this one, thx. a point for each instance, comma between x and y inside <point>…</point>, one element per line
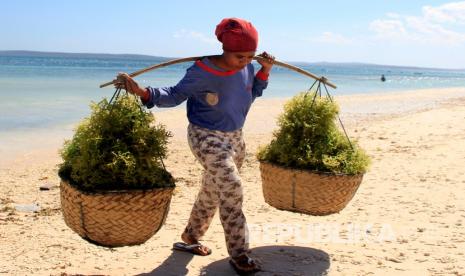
<point>219,91</point>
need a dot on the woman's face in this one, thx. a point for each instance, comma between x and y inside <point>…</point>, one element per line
<point>238,60</point>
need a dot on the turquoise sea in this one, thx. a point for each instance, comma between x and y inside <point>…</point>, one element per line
<point>40,90</point>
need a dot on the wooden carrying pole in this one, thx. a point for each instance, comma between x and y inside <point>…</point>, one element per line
<point>188,59</point>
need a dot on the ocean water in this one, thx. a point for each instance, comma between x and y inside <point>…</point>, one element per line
<point>42,91</point>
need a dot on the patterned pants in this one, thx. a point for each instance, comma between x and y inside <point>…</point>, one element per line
<point>221,155</point>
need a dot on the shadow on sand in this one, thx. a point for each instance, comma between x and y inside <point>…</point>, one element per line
<point>175,264</point>
<point>275,260</point>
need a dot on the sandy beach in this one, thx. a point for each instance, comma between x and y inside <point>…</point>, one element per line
<point>407,217</point>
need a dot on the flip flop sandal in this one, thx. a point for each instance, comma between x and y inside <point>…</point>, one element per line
<point>191,248</point>
<point>245,266</point>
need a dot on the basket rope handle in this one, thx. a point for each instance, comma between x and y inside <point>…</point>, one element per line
<point>115,97</point>
<point>188,59</point>
<point>318,93</point>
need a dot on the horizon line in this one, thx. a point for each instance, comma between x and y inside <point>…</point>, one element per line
<point>168,58</point>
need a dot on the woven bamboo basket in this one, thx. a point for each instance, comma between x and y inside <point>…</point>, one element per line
<point>115,218</point>
<point>307,192</point>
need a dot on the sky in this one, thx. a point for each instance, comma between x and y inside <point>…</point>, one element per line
<point>396,32</point>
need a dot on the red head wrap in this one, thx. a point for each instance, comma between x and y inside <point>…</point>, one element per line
<point>237,35</point>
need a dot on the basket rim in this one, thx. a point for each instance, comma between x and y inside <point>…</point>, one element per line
<point>309,171</point>
<point>122,191</point>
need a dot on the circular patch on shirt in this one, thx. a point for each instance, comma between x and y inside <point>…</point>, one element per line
<point>212,98</point>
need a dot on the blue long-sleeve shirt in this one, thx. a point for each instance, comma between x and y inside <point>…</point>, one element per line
<point>216,99</point>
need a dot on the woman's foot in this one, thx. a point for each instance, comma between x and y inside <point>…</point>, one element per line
<point>244,264</point>
<point>192,245</point>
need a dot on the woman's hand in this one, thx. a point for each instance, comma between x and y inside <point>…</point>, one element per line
<point>266,62</point>
<point>129,84</point>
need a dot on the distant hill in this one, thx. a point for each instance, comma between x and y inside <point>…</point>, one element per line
<point>81,55</point>
<point>19,53</point>
<point>371,65</point>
